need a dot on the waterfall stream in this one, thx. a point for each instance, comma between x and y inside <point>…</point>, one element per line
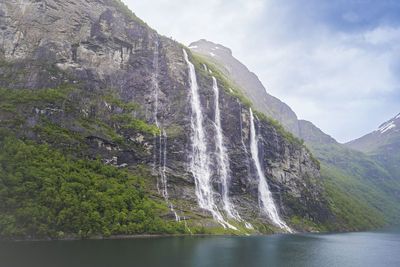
<point>199,162</point>
<point>162,159</point>
<point>164,182</point>
<point>156,89</point>
<point>265,199</point>
<point>247,224</point>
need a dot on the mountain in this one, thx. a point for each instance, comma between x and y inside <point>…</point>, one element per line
<point>383,145</point>
<point>362,188</point>
<point>108,128</point>
<point>386,132</point>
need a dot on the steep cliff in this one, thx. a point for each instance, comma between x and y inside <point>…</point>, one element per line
<point>92,81</point>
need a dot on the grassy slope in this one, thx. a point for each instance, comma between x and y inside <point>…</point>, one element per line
<point>364,194</point>
<point>387,155</point>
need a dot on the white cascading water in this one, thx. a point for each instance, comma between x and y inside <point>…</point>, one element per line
<point>186,225</point>
<point>222,157</point>
<point>247,224</point>
<point>265,199</point>
<point>156,89</point>
<point>199,163</point>
<point>163,148</point>
<point>163,175</point>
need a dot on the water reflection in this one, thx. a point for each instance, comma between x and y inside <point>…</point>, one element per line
<point>380,248</point>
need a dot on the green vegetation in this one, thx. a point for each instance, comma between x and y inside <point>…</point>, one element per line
<point>303,223</point>
<point>363,194</point>
<point>349,201</point>
<point>117,101</point>
<point>286,135</point>
<point>126,121</point>
<point>12,97</point>
<point>386,154</point>
<point>54,133</point>
<point>44,193</point>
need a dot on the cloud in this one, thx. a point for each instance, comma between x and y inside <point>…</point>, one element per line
<point>336,63</point>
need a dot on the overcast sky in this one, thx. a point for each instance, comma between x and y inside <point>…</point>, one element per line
<point>334,62</point>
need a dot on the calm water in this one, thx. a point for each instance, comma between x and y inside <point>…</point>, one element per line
<point>378,248</point>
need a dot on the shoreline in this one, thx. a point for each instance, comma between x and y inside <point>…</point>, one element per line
<point>143,236</point>
<point>122,237</point>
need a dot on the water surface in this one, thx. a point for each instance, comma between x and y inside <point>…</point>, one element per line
<point>377,248</point>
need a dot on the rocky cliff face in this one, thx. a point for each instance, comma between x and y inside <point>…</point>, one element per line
<point>121,92</point>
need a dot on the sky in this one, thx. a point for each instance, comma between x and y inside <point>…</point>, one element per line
<point>336,63</point>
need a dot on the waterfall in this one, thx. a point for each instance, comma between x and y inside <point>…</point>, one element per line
<point>186,225</point>
<point>242,140</point>
<point>163,136</point>
<point>164,182</point>
<point>199,162</point>
<point>156,89</point>
<point>247,224</point>
<point>222,157</point>
<point>265,200</point>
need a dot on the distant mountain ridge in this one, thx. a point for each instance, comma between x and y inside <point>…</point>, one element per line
<point>386,131</point>
<point>383,145</point>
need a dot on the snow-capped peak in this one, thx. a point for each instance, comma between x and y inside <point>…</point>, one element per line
<point>388,125</point>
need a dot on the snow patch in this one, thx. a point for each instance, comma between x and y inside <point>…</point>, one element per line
<point>193,46</point>
<point>387,127</point>
<point>398,116</point>
<point>212,54</point>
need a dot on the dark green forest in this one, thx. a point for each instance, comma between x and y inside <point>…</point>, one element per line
<point>45,193</point>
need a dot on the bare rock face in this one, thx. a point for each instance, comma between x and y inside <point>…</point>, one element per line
<point>122,73</point>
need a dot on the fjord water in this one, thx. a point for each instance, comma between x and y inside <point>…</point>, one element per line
<point>375,248</point>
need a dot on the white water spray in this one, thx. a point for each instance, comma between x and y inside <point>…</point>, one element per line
<point>265,199</point>
<point>199,163</point>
